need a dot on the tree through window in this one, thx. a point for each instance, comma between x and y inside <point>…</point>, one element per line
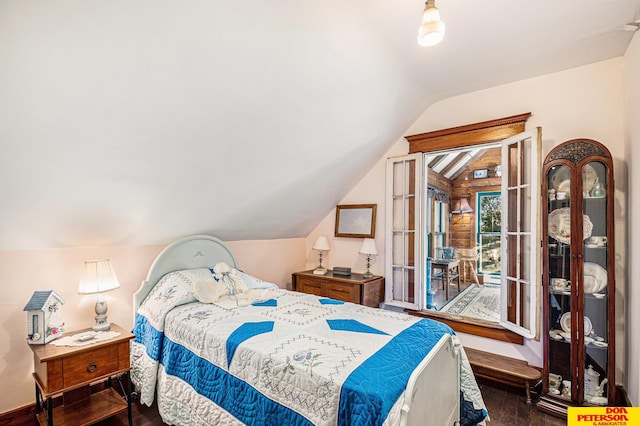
<point>489,227</point>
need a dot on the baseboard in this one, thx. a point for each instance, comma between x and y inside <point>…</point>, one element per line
<point>20,416</point>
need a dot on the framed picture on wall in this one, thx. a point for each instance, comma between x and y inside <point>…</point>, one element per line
<point>480,173</point>
<point>356,220</point>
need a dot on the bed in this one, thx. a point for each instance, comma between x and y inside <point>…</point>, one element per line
<point>268,356</point>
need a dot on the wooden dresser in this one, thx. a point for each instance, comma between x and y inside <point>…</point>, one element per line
<point>349,288</point>
<point>70,370</point>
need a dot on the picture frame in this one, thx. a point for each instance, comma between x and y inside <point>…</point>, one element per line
<point>356,221</point>
<point>480,173</point>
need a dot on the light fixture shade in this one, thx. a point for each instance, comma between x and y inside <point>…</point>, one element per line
<point>322,243</point>
<point>368,246</point>
<point>462,206</point>
<point>431,31</point>
<point>98,276</point>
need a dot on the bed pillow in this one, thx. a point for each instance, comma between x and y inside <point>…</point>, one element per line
<point>253,282</point>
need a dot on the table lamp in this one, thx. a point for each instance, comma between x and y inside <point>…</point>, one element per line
<point>368,248</point>
<point>99,277</point>
<point>322,245</point>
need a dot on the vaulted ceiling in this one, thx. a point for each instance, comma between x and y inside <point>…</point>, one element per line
<point>138,122</point>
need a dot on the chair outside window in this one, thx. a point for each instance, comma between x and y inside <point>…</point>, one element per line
<point>446,268</point>
<point>468,259</point>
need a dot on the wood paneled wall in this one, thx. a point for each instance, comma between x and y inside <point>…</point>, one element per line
<point>462,227</point>
<point>463,232</point>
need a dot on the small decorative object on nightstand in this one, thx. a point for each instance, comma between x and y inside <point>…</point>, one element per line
<point>322,245</point>
<point>44,317</point>
<point>99,277</point>
<point>341,270</point>
<point>369,249</point>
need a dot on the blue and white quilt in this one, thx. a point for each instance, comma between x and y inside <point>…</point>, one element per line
<point>285,358</point>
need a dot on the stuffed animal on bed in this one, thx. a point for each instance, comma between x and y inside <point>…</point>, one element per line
<point>226,282</point>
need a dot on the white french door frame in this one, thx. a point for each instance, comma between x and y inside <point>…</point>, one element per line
<point>529,326</point>
<point>404,246</point>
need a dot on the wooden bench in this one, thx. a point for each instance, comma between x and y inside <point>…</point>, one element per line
<point>503,369</point>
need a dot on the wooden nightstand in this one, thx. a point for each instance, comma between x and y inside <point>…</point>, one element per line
<point>70,370</point>
<point>350,288</point>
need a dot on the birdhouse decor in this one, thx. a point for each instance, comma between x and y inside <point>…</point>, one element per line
<point>44,317</point>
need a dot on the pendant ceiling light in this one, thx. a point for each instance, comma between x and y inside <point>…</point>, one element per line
<point>431,31</point>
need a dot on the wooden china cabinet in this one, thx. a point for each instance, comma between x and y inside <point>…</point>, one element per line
<point>578,277</point>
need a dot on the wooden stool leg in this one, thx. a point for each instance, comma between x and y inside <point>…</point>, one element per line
<point>473,271</point>
<point>528,389</point>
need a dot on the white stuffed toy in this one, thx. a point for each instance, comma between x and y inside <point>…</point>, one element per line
<point>227,282</point>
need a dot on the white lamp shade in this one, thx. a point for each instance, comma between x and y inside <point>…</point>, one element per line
<point>368,246</point>
<point>98,276</point>
<point>322,243</point>
<point>431,32</point>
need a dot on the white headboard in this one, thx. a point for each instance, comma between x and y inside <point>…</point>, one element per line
<point>198,251</point>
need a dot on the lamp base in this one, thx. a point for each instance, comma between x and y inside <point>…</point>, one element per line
<point>320,271</point>
<point>367,274</point>
<point>102,327</point>
<point>101,315</point>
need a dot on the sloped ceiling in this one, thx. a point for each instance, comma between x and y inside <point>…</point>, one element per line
<point>138,122</point>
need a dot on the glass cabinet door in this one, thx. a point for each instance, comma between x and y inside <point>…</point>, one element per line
<point>594,283</point>
<point>559,279</point>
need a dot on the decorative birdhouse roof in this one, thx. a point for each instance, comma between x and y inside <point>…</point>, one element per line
<point>40,299</point>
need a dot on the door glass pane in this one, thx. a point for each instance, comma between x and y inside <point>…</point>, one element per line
<point>398,249</point>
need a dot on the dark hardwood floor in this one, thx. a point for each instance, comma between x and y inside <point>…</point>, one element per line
<point>506,405</point>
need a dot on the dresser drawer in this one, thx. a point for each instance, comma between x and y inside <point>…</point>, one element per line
<point>87,366</point>
<point>355,288</point>
<point>310,286</point>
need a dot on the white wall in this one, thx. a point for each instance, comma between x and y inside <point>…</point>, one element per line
<point>583,102</point>
<point>632,154</point>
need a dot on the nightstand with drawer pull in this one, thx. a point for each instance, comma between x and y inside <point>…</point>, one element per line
<point>71,370</point>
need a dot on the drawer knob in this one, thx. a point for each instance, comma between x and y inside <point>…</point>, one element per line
<point>92,367</point>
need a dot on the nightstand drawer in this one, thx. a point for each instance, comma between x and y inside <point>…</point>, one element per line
<point>86,366</point>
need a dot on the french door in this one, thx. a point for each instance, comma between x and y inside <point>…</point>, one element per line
<point>519,232</point>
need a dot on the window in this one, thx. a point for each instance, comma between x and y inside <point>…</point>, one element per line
<point>437,234</point>
<point>517,220</point>
<point>489,225</point>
